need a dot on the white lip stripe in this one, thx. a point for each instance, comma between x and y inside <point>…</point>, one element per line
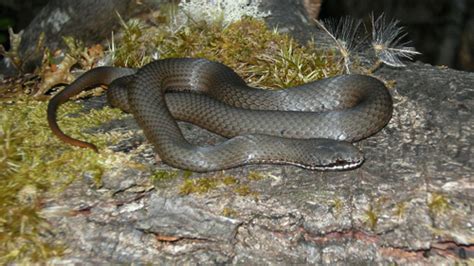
<point>320,168</point>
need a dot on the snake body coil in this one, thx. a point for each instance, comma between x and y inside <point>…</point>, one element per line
<point>309,126</point>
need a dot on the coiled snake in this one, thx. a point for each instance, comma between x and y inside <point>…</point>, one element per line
<point>310,126</point>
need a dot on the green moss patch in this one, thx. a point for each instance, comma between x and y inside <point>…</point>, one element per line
<point>260,55</point>
<point>34,162</point>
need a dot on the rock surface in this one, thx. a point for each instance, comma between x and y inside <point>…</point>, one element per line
<point>91,21</point>
<point>411,201</point>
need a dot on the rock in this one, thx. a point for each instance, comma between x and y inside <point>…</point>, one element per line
<point>79,19</point>
<point>181,218</point>
<point>411,201</point>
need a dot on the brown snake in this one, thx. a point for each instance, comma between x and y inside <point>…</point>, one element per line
<point>310,126</point>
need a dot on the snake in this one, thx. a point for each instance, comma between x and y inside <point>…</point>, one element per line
<point>311,125</point>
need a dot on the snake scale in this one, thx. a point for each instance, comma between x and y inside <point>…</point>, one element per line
<point>310,126</point>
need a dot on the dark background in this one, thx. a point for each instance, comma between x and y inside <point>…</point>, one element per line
<point>442,30</point>
<point>17,14</point>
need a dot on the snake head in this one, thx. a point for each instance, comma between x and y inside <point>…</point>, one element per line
<point>327,154</point>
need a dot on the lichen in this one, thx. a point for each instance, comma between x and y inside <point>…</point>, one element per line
<point>226,11</point>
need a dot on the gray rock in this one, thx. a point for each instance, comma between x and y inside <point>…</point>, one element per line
<point>181,217</point>
<point>411,201</point>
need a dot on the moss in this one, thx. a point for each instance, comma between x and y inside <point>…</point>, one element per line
<point>261,56</point>
<point>187,174</point>
<point>255,176</point>
<point>229,212</point>
<point>372,217</point>
<point>229,180</point>
<point>438,203</point>
<point>163,176</point>
<point>204,185</point>
<point>34,162</point>
<point>400,209</point>
<point>198,185</point>
<point>243,190</point>
<point>337,206</point>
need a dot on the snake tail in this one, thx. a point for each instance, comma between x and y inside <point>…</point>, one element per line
<point>95,77</point>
